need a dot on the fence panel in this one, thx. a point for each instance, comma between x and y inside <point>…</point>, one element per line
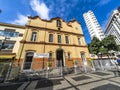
<point>14,72</point>
<point>3,70</point>
<point>31,71</point>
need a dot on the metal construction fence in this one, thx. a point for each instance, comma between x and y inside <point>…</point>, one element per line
<point>8,71</point>
<point>105,64</point>
<point>31,71</point>
<point>51,70</point>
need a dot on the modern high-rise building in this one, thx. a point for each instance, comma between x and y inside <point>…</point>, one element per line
<point>113,25</point>
<point>93,25</point>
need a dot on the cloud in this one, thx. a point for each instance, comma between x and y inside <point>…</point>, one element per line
<point>103,2</point>
<point>47,9</point>
<point>21,20</point>
<point>61,8</point>
<point>40,8</point>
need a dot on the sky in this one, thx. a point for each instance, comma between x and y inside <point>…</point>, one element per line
<point>17,11</point>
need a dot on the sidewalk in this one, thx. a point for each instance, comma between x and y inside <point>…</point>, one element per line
<point>89,81</point>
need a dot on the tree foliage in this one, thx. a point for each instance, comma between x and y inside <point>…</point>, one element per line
<point>94,46</point>
<point>118,47</point>
<point>103,50</point>
<point>107,44</point>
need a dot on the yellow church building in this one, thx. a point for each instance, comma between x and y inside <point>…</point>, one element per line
<point>55,41</point>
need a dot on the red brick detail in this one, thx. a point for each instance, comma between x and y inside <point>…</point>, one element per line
<point>37,63</point>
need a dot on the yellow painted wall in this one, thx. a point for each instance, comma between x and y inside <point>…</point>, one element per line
<point>43,29</point>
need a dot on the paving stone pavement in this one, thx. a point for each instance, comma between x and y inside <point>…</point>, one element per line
<point>86,81</point>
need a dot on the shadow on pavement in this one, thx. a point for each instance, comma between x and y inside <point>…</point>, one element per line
<point>107,87</point>
<point>10,86</point>
<point>47,83</point>
<point>41,83</point>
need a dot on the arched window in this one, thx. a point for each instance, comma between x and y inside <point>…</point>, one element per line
<point>33,36</point>
<point>59,39</point>
<point>50,37</point>
<point>69,56</point>
<point>79,41</point>
<point>58,23</point>
<point>50,55</point>
<point>28,60</point>
<point>67,39</point>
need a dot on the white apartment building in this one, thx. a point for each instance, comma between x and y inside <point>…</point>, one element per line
<point>113,25</point>
<point>93,25</point>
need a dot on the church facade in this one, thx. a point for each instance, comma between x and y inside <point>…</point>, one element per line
<point>55,41</point>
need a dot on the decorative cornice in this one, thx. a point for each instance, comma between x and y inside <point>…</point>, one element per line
<point>72,21</point>
<point>12,25</point>
<point>46,43</point>
<point>53,30</point>
<point>56,18</point>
